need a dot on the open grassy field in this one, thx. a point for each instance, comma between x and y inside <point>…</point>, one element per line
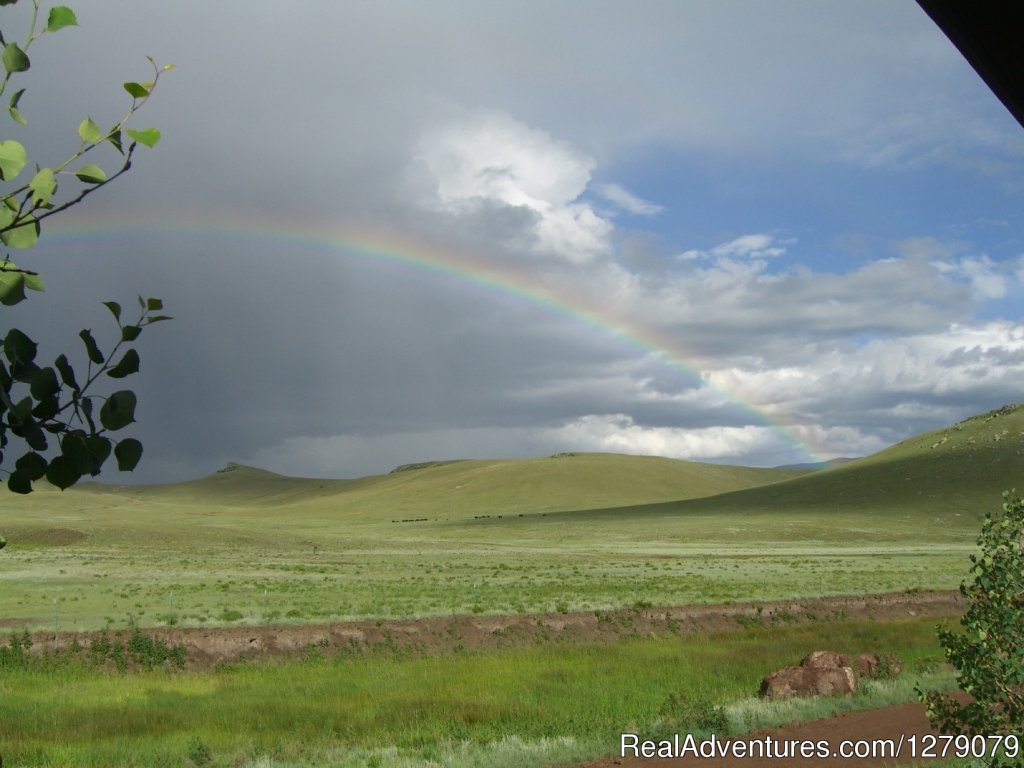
<point>529,706</point>
<point>584,532</point>
<point>563,533</point>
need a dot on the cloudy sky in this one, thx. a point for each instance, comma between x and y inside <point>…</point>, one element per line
<point>746,232</point>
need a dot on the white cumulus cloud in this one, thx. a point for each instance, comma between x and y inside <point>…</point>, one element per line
<point>619,433</point>
<point>493,159</point>
<point>985,278</point>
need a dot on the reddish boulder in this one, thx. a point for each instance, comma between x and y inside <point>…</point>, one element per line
<point>809,681</point>
<point>826,673</point>
<point>865,664</point>
<point>824,660</point>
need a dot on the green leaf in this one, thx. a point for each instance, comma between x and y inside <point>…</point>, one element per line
<point>31,464</point>
<point>13,108</point>
<point>130,332</point>
<point>12,159</point>
<point>136,90</point>
<point>43,185</point>
<point>128,452</point>
<point>20,482</point>
<point>22,410</point>
<point>85,406</point>
<point>12,288</point>
<point>24,235</point>
<point>90,346</point>
<point>61,473</point>
<point>157,319</point>
<point>67,373</point>
<point>19,348</point>
<point>14,58</point>
<point>89,132</point>
<point>153,305</point>
<point>60,16</point>
<point>147,136</point>
<point>86,453</point>
<point>36,438</point>
<point>44,384</point>
<point>114,137</point>
<point>127,365</point>
<point>118,410</point>
<point>46,409</point>
<point>115,309</point>
<point>91,174</point>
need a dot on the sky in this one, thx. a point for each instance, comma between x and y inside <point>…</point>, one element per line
<point>755,233</point>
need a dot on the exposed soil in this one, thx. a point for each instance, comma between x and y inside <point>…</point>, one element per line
<point>901,721</point>
<point>215,645</point>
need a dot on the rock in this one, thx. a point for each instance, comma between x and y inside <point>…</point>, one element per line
<point>865,664</point>
<point>827,673</point>
<point>824,660</point>
<point>809,681</point>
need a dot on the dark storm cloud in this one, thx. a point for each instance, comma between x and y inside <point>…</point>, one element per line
<point>484,129</point>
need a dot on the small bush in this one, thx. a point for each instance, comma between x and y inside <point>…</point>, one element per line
<point>987,652</point>
<point>150,652</point>
<point>198,751</point>
<point>16,652</point>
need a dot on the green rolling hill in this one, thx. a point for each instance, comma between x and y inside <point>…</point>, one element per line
<point>934,485</point>
<point>573,531</point>
<point>958,469</point>
<point>961,468</point>
<point>452,488</point>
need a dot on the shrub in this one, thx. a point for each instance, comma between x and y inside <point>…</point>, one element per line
<point>989,653</point>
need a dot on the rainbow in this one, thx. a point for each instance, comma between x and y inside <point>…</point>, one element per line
<point>463,270</point>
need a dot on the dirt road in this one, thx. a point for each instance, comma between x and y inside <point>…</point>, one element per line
<point>864,730</point>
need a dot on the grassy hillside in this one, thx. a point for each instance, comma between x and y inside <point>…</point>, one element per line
<point>958,471</point>
<point>450,489</point>
<point>569,532</point>
<point>565,481</point>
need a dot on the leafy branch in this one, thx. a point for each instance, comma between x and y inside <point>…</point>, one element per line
<point>65,427</point>
<point>19,216</point>
<point>56,404</point>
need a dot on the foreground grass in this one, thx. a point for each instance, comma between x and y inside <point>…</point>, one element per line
<point>528,706</point>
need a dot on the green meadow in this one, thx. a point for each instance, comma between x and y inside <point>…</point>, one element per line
<point>527,706</point>
<point>562,533</point>
<point>573,532</point>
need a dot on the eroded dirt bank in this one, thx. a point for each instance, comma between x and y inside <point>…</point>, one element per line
<point>209,646</point>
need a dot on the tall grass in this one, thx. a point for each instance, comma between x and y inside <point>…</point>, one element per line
<point>520,706</point>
